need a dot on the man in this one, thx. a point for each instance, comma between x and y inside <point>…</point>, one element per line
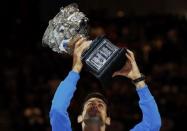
<point>94,116</point>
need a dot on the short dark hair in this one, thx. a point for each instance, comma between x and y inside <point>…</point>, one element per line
<point>97,95</point>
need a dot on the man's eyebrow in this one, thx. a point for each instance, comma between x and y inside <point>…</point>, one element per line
<point>100,101</point>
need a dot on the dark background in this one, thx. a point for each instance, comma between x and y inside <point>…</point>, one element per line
<point>29,73</point>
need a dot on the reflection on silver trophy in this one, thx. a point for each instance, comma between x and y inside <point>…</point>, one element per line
<point>101,59</point>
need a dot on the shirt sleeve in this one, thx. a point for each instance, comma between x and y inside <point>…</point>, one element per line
<point>151,120</point>
<point>59,117</point>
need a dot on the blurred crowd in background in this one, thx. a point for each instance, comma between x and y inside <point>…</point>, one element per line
<point>30,73</point>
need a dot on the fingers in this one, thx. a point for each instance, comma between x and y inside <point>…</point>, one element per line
<point>129,58</point>
<point>80,46</point>
<point>131,54</point>
<point>79,42</point>
<point>74,40</point>
<point>85,45</point>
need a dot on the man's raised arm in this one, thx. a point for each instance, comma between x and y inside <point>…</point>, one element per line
<point>59,118</point>
<point>151,120</point>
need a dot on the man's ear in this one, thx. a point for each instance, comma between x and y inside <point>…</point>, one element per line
<point>79,119</point>
<point>107,121</point>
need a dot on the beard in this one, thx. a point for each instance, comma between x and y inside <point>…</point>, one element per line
<point>93,120</point>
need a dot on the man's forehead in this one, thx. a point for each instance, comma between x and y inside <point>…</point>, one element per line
<point>95,99</point>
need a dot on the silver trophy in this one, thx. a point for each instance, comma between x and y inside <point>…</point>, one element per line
<point>64,27</point>
<point>101,59</point>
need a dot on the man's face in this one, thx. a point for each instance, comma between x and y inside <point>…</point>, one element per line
<point>95,110</point>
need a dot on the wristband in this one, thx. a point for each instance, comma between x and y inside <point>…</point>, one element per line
<point>141,78</point>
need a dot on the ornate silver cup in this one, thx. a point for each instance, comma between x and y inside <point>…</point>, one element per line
<point>101,59</point>
<point>64,27</point>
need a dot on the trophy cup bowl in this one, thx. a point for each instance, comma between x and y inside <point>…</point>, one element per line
<point>102,58</point>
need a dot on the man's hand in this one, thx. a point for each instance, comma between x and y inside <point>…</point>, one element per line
<point>81,44</point>
<point>130,69</point>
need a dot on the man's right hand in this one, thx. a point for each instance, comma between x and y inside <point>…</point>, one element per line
<point>81,44</point>
<point>130,69</point>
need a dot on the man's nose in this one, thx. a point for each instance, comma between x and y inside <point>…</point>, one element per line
<point>94,105</point>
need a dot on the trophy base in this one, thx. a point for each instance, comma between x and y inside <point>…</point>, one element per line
<point>103,58</point>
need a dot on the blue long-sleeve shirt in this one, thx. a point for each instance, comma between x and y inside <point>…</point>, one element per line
<point>60,121</point>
